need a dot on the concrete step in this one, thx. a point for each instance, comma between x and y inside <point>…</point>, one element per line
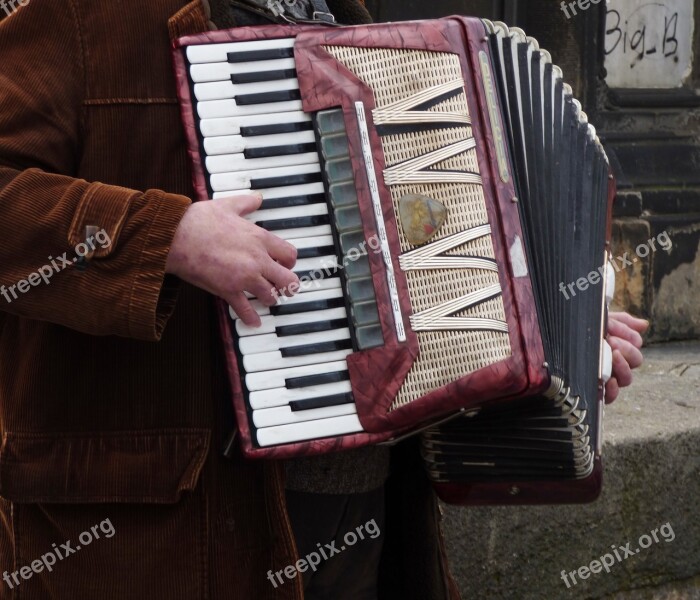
<point>652,479</point>
<point>689,589</point>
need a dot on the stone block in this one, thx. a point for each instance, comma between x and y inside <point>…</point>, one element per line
<point>652,478</point>
<point>632,272</point>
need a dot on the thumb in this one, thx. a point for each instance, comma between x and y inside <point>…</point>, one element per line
<point>243,205</point>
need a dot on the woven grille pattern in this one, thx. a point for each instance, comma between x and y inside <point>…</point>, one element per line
<point>395,74</point>
<point>444,355</point>
<point>405,146</point>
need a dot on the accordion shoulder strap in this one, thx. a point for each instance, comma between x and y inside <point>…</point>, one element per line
<point>283,11</point>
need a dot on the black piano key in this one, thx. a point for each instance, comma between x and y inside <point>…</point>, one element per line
<point>294,383</point>
<point>320,273</point>
<point>267,97</point>
<point>259,76</point>
<point>252,55</point>
<point>319,348</point>
<point>294,223</point>
<point>302,307</point>
<point>255,130</point>
<point>315,252</point>
<point>322,401</point>
<point>304,328</point>
<point>290,201</point>
<point>285,150</point>
<point>271,182</point>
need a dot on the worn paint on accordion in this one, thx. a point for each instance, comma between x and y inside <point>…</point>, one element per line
<point>421,217</point>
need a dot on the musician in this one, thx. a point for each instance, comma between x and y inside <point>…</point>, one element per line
<point>112,389</point>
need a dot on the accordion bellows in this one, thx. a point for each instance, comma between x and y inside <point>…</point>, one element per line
<point>439,182</point>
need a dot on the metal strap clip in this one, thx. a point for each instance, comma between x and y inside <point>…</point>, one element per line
<point>324,17</point>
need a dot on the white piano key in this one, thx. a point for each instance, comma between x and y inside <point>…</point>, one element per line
<point>214,109</point>
<point>221,90</point>
<point>276,379</point>
<point>293,190</point>
<point>278,192</point>
<point>256,344</point>
<point>233,163</point>
<point>222,71</point>
<point>329,262</point>
<point>298,432</point>
<point>241,180</point>
<point>233,144</point>
<point>311,285</point>
<point>228,144</point>
<point>263,310</point>
<point>282,396</point>
<point>256,363</point>
<point>284,415</point>
<point>330,294</point>
<point>301,232</point>
<point>269,323</point>
<point>292,212</point>
<point>232,125</point>
<point>209,53</point>
<point>317,242</point>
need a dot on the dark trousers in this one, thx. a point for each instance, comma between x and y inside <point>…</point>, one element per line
<point>344,534</point>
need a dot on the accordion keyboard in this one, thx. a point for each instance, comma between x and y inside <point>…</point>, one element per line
<point>255,137</point>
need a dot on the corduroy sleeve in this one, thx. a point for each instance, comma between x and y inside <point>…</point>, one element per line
<point>49,219</point>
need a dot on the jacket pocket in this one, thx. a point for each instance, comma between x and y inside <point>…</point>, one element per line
<point>142,467</point>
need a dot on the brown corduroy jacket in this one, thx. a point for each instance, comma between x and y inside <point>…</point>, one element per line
<point>106,414</point>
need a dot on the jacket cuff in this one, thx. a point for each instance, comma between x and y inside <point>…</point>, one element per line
<point>154,293</point>
<point>105,207</point>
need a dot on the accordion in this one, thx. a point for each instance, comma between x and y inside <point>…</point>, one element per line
<point>442,187</point>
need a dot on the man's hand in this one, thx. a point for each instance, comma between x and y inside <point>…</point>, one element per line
<point>217,250</point>
<point>625,339</point>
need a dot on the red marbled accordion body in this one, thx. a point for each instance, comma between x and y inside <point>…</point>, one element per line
<point>377,375</point>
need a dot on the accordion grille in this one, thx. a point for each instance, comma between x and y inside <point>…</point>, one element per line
<point>445,355</point>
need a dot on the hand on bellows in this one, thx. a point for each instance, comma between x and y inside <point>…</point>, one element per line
<point>625,339</point>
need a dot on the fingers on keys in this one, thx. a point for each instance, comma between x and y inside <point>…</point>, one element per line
<point>244,310</point>
<point>244,204</point>
<point>281,251</point>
